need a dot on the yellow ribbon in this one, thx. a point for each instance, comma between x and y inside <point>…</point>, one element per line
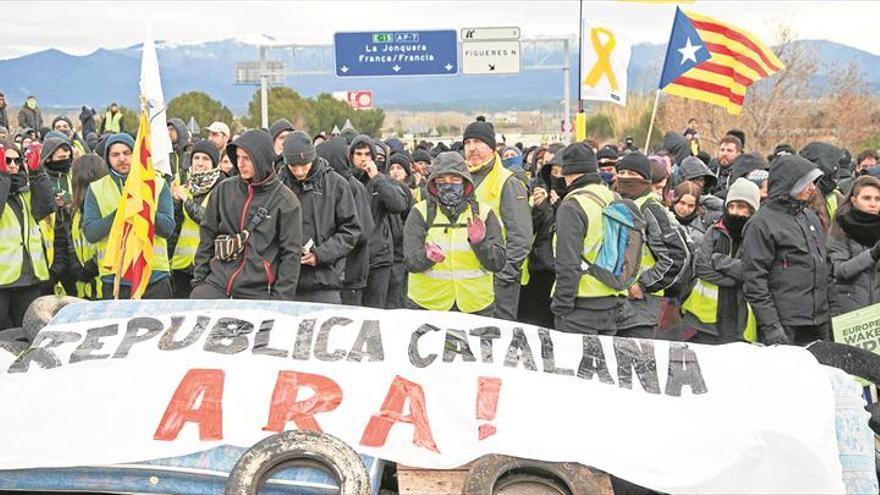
<point>603,64</point>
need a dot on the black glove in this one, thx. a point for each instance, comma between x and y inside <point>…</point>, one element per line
<point>875,251</point>
<point>774,334</point>
<point>89,271</point>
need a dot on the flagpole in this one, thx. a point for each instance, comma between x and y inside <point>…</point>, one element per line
<point>653,115</point>
<point>116,279</point>
<point>580,120</point>
<point>659,86</point>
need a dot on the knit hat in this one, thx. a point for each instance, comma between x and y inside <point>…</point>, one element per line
<point>119,137</point>
<point>421,155</point>
<point>578,158</point>
<point>746,191</point>
<point>483,131</point>
<point>208,148</point>
<point>658,169</point>
<point>636,162</point>
<point>298,149</point>
<point>758,176</point>
<point>401,159</point>
<point>279,126</point>
<point>60,118</point>
<point>607,153</point>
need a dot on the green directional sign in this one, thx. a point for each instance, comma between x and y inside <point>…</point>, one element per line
<point>383,37</point>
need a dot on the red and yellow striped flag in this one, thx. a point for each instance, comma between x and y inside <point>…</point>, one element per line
<point>130,245</point>
<point>714,62</point>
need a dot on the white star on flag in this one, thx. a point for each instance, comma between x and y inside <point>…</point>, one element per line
<point>689,52</point>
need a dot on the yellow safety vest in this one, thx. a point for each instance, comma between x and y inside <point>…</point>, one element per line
<point>460,279</point>
<point>47,230</point>
<point>703,304</point>
<point>187,242</point>
<point>831,204</point>
<point>15,240</point>
<point>489,193</point>
<point>108,196</point>
<point>84,251</point>
<point>590,286</point>
<point>113,123</point>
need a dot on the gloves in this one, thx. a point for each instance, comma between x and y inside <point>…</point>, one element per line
<point>875,251</point>
<point>476,230</point>
<point>33,156</point>
<point>89,271</point>
<point>3,169</point>
<point>774,334</point>
<point>434,253</point>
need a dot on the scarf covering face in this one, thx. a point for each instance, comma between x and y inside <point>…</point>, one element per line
<point>203,182</point>
<point>734,224</point>
<point>859,226</point>
<point>19,182</point>
<point>632,187</point>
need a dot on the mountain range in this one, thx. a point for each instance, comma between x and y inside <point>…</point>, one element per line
<point>61,80</point>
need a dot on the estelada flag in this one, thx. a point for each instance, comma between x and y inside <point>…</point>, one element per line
<point>714,62</point>
<point>130,245</point>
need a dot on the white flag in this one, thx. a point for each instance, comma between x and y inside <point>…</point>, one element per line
<point>604,62</point>
<point>151,90</point>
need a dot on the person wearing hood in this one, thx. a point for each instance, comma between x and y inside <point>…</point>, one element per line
<point>679,148</point>
<point>29,116</point>
<point>330,226</point>
<point>56,158</point>
<point>509,199</point>
<point>382,152</point>
<point>581,303</point>
<point>827,158</point>
<point>694,170</point>
<point>400,172</point>
<point>512,159</point>
<point>784,258</point>
<point>666,257</point>
<point>87,120</point>
<point>178,159</point>
<point>82,256</point>
<point>4,118</point>
<point>854,248</point>
<point>112,121</point>
<point>715,311</point>
<point>250,238</point>
<point>279,131</point>
<point>452,244</point>
<point>25,199</point>
<point>63,125</point>
<point>421,170</point>
<point>190,201</point>
<point>99,210</point>
<point>729,150</point>
<point>357,263</point>
<point>386,199</point>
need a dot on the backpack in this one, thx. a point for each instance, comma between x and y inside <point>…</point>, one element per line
<point>618,262</point>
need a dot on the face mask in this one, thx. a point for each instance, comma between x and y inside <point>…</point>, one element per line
<point>513,161</point>
<point>19,182</point>
<point>62,166</point>
<point>558,184</point>
<point>632,187</point>
<point>734,224</point>
<point>450,194</point>
<point>607,177</point>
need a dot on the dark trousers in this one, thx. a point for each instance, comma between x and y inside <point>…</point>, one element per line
<point>396,286</point>
<point>804,334</point>
<point>206,291</point>
<point>506,299</point>
<point>181,283</point>
<point>319,296</point>
<point>13,304</point>
<point>160,289</point>
<point>352,297</point>
<point>534,302</point>
<point>377,287</point>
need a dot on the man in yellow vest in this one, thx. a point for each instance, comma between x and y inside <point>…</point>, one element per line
<point>715,312</point>
<point>112,120</point>
<point>26,197</point>
<point>452,244</point>
<point>509,199</point>
<point>582,303</point>
<point>102,201</point>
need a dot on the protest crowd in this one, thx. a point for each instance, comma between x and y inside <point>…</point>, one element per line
<point>595,238</point>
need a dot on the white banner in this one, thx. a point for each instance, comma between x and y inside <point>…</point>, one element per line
<point>435,390</point>
<point>604,62</point>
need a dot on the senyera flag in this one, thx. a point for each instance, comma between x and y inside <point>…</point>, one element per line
<point>130,245</point>
<point>714,62</point>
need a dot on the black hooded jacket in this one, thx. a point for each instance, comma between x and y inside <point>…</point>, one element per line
<point>357,264</point>
<point>329,219</point>
<point>386,199</point>
<point>270,265</point>
<point>784,254</point>
<point>677,145</point>
<point>741,167</point>
<point>179,158</point>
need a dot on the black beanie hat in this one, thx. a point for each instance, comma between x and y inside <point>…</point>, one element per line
<point>401,159</point>
<point>421,155</point>
<point>208,148</point>
<point>298,149</point>
<point>483,131</point>
<point>636,162</point>
<point>578,158</point>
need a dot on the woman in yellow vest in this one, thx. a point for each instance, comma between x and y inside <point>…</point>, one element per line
<point>715,312</point>
<point>190,201</point>
<point>452,244</point>
<point>26,197</point>
<point>82,254</point>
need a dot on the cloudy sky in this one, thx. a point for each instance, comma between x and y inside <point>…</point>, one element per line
<point>80,27</point>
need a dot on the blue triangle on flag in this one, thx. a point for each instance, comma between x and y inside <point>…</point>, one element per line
<point>685,51</point>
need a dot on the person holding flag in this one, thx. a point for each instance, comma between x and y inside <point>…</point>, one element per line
<point>128,214</point>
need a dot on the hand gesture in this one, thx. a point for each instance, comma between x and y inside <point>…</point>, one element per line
<point>476,230</point>
<point>539,195</point>
<point>434,253</point>
<point>32,155</point>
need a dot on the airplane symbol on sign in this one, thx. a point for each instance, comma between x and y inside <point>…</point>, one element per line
<point>469,34</point>
<point>491,67</point>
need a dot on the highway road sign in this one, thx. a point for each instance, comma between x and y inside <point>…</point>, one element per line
<point>490,57</point>
<point>490,34</point>
<point>396,53</point>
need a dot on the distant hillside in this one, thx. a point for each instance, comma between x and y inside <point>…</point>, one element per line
<point>62,80</point>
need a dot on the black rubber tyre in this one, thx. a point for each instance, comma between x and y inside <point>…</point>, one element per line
<point>283,450</point>
<point>14,334</point>
<point>14,348</point>
<point>853,360</point>
<point>495,472</point>
<point>41,311</point>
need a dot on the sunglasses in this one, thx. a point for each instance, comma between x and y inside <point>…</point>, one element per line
<point>10,160</point>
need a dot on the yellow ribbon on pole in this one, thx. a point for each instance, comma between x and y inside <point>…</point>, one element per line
<point>603,64</point>
<point>580,127</point>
